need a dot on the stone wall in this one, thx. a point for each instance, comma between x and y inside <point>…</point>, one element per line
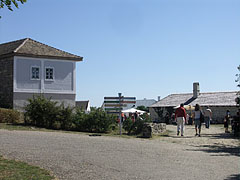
<point>6,81</point>
<point>150,129</point>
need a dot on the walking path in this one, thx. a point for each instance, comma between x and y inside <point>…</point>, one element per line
<point>75,156</point>
<point>214,136</point>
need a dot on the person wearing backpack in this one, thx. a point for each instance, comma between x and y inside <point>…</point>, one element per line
<point>197,114</point>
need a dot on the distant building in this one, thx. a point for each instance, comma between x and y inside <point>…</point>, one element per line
<point>219,103</point>
<point>28,68</point>
<point>84,105</point>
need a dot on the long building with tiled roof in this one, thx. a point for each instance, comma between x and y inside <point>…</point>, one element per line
<point>219,102</point>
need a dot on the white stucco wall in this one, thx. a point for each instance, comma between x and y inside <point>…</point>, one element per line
<point>64,76</point>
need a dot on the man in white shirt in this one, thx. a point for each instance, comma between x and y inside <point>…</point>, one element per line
<point>208,117</point>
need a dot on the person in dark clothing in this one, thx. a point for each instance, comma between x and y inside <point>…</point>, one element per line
<point>227,121</point>
<point>135,115</point>
<point>167,118</point>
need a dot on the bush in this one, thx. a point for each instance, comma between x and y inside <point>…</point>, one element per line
<point>96,121</point>
<point>41,112</point>
<point>10,116</point>
<point>136,127</point>
<point>64,118</point>
<point>127,124</point>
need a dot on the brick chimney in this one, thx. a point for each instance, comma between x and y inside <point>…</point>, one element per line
<point>196,90</point>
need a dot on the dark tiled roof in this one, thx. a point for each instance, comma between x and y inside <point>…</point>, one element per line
<point>204,99</point>
<point>32,48</point>
<point>82,104</point>
<point>10,47</point>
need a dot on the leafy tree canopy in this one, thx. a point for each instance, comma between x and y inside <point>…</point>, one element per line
<point>142,108</point>
<point>9,3</point>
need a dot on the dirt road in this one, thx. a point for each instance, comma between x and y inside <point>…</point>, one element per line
<point>81,157</point>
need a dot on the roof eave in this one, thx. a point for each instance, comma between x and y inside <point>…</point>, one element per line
<point>77,59</point>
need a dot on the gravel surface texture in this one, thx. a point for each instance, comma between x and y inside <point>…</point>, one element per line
<point>79,157</point>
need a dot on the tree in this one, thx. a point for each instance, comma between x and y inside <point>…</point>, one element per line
<point>238,81</point>
<point>142,108</point>
<point>8,3</point>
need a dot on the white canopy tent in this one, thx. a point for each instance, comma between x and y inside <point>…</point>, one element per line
<point>132,110</point>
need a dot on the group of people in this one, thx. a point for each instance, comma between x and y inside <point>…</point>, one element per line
<point>233,120</point>
<point>198,116</point>
<point>133,116</point>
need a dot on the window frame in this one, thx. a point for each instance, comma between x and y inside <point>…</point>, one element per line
<point>45,74</point>
<point>31,73</point>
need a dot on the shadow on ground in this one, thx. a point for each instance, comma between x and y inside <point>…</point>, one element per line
<point>233,177</point>
<point>222,136</point>
<point>219,150</point>
<point>216,148</point>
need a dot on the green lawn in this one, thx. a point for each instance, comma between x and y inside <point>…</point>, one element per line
<point>14,170</point>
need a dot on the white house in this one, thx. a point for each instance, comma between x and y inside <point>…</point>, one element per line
<point>28,67</point>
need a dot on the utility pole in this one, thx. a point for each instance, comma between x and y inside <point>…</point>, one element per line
<point>120,112</point>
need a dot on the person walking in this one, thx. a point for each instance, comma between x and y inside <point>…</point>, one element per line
<point>196,116</point>
<point>226,121</point>
<point>180,117</point>
<point>208,115</point>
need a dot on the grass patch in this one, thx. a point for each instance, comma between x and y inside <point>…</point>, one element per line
<point>20,127</point>
<point>14,170</point>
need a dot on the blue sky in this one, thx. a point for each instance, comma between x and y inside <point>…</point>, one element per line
<point>141,48</point>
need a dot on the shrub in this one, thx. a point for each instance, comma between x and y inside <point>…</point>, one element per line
<point>10,116</point>
<point>127,124</point>
<point>41,112</point>
<point>64,117</point>
<point>137,126</point>
<point>78,119</point>
<point>96,121</point>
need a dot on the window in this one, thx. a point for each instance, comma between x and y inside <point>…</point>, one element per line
<point>35,72</point>
<point>49,73</point>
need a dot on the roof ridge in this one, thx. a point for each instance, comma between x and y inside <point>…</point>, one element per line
<point>21,45</point>
<point>11,42</point>
<point>204,92</point>
<point>218,92</point>
<point>53,47</point>
<point>179,93</point>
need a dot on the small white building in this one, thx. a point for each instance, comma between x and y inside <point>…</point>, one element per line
<point>84,106</point>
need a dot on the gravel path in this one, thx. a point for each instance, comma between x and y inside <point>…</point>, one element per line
<point>77,156</point>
